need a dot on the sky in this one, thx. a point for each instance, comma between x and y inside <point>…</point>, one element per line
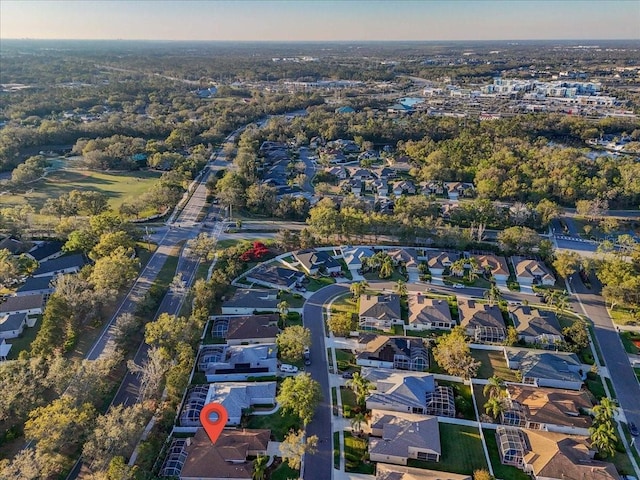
<point>320,20</point>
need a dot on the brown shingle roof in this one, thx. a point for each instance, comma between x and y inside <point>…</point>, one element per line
<point>425,311</point>
<point>253,326</point>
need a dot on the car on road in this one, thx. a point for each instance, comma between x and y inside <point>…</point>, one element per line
<point>286,368</point>
<point>633,430</point>
<point>307,356</point>
<point>458,285</point>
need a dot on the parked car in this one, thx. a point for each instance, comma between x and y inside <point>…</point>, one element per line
<point>347,375</point>
<point>307,356</point>
<point>286,368</point>
<point>633,430</point>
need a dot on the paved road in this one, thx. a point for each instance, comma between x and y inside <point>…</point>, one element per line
<point>616,359</point>
<point>319,466</point>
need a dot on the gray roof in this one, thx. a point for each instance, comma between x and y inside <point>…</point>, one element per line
<point>386,471</point>
<point>547,365</point>
<point>27,302</point>
<point>354,255</point>
<point>253,298</point>
<point>12,322</point>
<point>45,249</point>
<point>533,322</point>
<point>274,275</point>
<point>36,284</point>
<point>61,263</point>
<point>399,388</point>
<point>382,307</point>
<point>238,396</point>
<point>312,259</point>
<point>253,326</point>
<point>401,432</point>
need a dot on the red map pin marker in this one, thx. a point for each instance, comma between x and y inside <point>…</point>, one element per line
<point>213,418</point>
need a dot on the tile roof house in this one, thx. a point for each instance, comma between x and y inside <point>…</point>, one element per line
<point>198,459</point>
<point>245,301</point>
<point>61,265</point>
<point>548,455</point>
<point>12,326</point>
<point>494,265</point>
<point>353,256</point>
<point>532,272</point>
<point>536,326</point>
<point>404,256</point>
<point>429,313</point>
<point>379,312</point>
<point>235,397</point>
<point>30,304</point>
<point>249,329</point>
<point>404,187</point>
<point>316,261</point>
<point>438,262</point>
<point>547,369</point>
<point>36,286</point>
<point>395,438</point>
<point>237,362</point>
<point>271,275</point>
<point>408,392</point>
<point>403,353</point>
<point>400,472</point>
<point>550,409</point>
<point>482,322</point>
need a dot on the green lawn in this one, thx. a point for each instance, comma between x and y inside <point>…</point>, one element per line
<point>348,401</point>
<point>345,359</point>
<point>622,316</point>
<point>295,300</point>
<point>23,342</point>
<point>461,451</point>
<point>627,340</point>
<point>500,470</point>
<point>316,283</point>
<point>285,472</point>
<point>118,187</point>
<point>336,449</point>
<point>493,363</point>
<point>279,423</point>
<point>355,451</point>
<point>594,384</point>
<point>345,303</point>
<point>395,276</point>
<point>462,395</point>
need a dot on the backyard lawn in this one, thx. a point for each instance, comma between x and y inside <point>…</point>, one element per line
<point>493,363</point>
<point>461,451</point>
<point>279,423</point>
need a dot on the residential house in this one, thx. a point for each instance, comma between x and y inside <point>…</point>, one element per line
<point>353,256</point>
<point>197,458</point>
<point>532,272</point>
<point>44,251</point>
<point>551,456</point>
<point>404,256</point>
<point>236,363</point>
<point>362,174</point>
<point>397,438</point>
<point>456,190</point>
<point>246,301</point>
<point>400,108</point>
<point>15,247</point>
<point>482,322</point>
<point>379,312</point>
<point>495,266</point>
<point>61,265</point>
<point>386,173</point>
<point>547,369</point>
<point>368,155</point>
<point>400,472</point>
<point>438,262</point>
<point>404,187</point>
<point>535,326</point>
<point>12,326</point>
<point>315,262</point>
<point>246,329</point>
<point>338,172</point>
<point>30,305</point>
<point>550,409</point>
<point>36,286</point>
<point>432,187</point>
<point>354,186</point>
<point>380,188</point>
<point>403,353</point>
<point>5,348</point>
<point>345,109</point>
<point>429,313</point>
<point>271,275</point>
<point>235,397</point>
<point>408,392</point>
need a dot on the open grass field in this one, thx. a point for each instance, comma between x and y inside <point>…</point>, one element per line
<point>461,451</point>
<point>493,363</point>
<point>118,187</point>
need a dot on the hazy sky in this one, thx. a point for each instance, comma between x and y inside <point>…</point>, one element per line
<point>320,20</point>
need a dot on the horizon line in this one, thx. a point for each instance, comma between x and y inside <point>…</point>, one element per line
<point>323,41</point>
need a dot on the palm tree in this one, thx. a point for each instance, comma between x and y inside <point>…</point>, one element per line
<point>401,288</point>
<point>494,407</point>
<point>357,421</point>
<point>283,308</point>
<point>550,297</point>
<point>562,301</point>
<point>605,411</point>
<point>457,267</point>
<point>358,288</point>
<point>493,294</point>
<point>495,388</point>
<point>474,266</point>
<point>361,387</point>
<point>260,467</point>
<point>386,267</point>
<point>604,437</point>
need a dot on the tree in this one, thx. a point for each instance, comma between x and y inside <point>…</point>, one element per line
<point>602,431</point>
<point>358,288</point>
<point>294,447</point>
<point>512,337</point>
<point>342,324</point>
<point>457,268</point>
<point>167,331</point>
<point>566,263</point>
<point>361,388</point>
<point>292,342</point>
<point>111,242</point>
<point>547,210</point>
<point>151,373</point>
<point>115,271</point>
<point>494,407</point>
<point>283,308</point>
<point>260,467</point>
<point>386,267</point>
<point>115,434</point>
<point>518,240</point>
<point>482,475</point>
<point>202,247</point>
<point>401,288</point>
<point>357,420</point>
<point>300,395</point>
<point>59,427</point>
<point>495,388</point>
<point>592,209</point>
<point>27,464</point>
<point>454,355</point>
<point>493,294</point>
